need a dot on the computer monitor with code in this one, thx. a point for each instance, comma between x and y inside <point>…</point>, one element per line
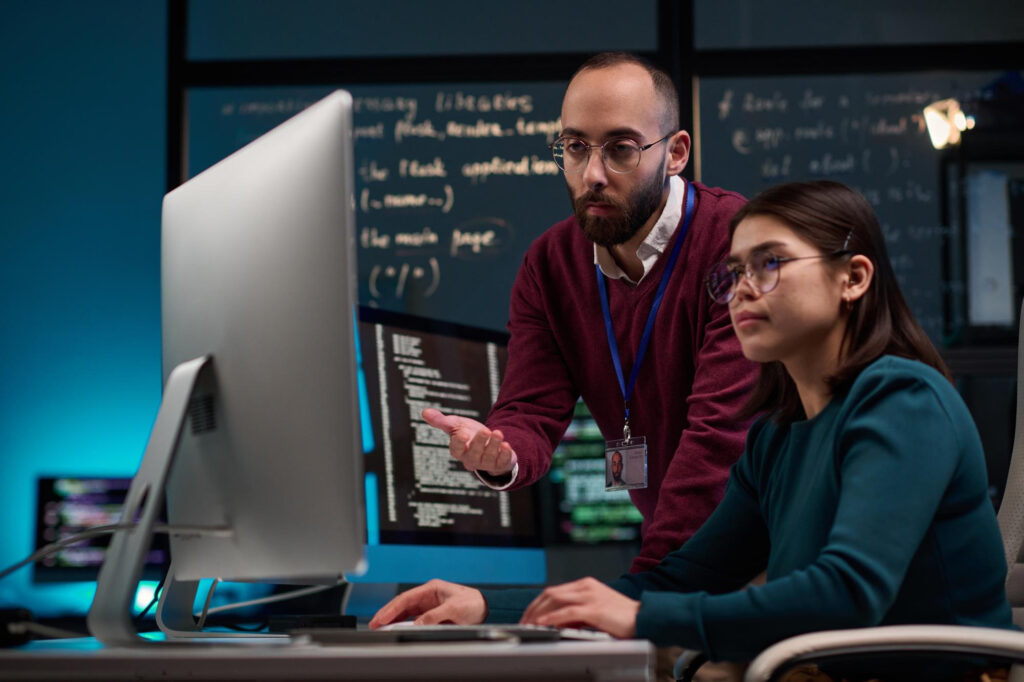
<point>427,517</point>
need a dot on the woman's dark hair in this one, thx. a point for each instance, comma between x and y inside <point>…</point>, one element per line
<point>826,213</point>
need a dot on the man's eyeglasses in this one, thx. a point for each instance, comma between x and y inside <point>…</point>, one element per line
<point>762,270</point>
<point>620,155</point>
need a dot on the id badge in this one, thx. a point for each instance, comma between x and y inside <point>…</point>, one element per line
<point>625,463</point>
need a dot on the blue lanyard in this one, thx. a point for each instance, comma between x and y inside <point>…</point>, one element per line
<point>627,389</point>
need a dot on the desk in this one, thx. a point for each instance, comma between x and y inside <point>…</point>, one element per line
<point>280,660</point>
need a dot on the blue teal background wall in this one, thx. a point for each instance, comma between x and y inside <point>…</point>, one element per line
<point>82,166</point>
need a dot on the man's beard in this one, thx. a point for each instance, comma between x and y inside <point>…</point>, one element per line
<point>629,217</point>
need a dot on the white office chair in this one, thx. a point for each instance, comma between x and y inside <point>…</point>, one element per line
<point>1011,510</point>
<point>1004,645</point>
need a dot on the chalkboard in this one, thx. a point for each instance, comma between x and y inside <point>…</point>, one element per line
<point>453,182</point>
<point>867,131</point>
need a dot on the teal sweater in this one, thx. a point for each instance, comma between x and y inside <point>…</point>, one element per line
<point>874,512</point>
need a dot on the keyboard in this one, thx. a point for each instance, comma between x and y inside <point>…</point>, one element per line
<point>524,632</point>
<point>406,632</point>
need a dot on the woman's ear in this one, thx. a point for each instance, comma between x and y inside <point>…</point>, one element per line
<point>860,271</point>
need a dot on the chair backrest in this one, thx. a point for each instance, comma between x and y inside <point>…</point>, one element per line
<point>1011,510</point>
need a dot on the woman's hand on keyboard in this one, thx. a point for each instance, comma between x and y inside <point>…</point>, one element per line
<point>584,603</point>
<point>434,602</point>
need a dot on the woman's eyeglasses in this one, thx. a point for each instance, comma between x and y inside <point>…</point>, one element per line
<point>762,270</point>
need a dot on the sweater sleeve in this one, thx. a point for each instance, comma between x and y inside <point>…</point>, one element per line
<point>537,396</point>
<point>896,431</point>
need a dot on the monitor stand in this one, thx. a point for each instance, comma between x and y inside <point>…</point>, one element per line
<point>110,616</point>
<point>174,612</point>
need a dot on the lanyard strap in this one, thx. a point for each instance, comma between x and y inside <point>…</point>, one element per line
<point>627,389</point>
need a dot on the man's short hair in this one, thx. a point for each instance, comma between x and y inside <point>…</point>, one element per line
<point>664,88</point>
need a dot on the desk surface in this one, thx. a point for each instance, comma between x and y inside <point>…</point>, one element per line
<point>262,660</point>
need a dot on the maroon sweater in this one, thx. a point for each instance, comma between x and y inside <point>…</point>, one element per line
<point>691,383</point>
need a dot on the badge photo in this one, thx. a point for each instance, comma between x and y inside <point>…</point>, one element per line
<point>625,464</point>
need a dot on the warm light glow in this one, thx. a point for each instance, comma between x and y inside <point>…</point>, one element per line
<point>945,121</point>
<point>938,128</point>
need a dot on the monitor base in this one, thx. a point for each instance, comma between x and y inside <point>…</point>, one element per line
<point>110,616</point>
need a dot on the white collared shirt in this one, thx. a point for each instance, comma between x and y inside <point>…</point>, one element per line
<point>654,244</point>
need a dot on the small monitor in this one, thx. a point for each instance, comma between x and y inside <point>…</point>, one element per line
<point>66,505</point>
<point>258,436</point>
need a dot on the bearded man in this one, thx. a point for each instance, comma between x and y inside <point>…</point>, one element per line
<point>610,305</point>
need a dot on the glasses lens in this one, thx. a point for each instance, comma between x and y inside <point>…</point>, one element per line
<point>622,156</point>
<point>570,154</point>
<point>765,267</point>
<point>720,282</point>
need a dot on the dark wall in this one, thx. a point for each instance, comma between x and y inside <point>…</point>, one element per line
<point>82,150</point>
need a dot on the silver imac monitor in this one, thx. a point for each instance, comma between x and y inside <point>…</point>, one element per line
<point>257,443</point>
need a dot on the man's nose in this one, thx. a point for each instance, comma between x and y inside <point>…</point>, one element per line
<point>594,173</point>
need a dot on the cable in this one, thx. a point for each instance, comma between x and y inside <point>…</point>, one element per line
<point>346,592</point>
<point>206,605</point>
<point>294,594</point>
<point>54,547</point>
<point>41,630</point>
<point>153,601</point>
<point>212,531</point>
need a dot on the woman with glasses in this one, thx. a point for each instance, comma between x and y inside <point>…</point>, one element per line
<point>862,492</point>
